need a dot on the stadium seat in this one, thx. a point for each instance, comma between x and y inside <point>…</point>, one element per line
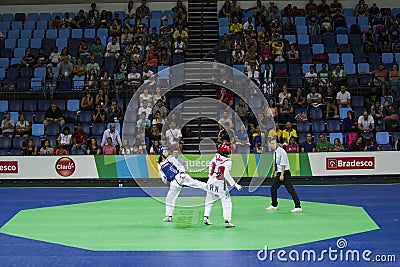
<point>52,129</point>
<point>78,83</point>
<point>42,24</point>
<point>51,34</point>
<point>19,52</point>
<point>36,43</point>
<point>2,73</point>
<point>90,33</point>
<point>73,105</point>
<point>302,39</point>
<point>342,39</point>
<point>23,43</point>
<point>85,116</point>
<point>3,105</point>
<point>386,147</point>
<point>32,17</point>
<point>333,136</point>
<point>357,101</point>
<point>16,25</point>
<point>333,126</point>
<point>26,34</point>
<point>13,34</point>
<point>36,84</point>
<point>318,126</point>
<point>38,34</point>
<point>316,114</point>
<point>76,33</point>
<point>316,39</point>
<point>362,67</point>
<point>223,31</point>
<point>303,126</point>
<point>98,128</point>
<point>10,43</point>
<point>350,20</point>
<point>387,58</point>
<point>347,58</point>
<point>334,58</point>
<point>102,32</point>
<point>294,69</point>
<point>382,138</point>
<point>17,142</point>
<point>318,49</point>
<point>302,30</point>
<point>38,129</point>
<point>350,68</point>
<point>4,63</point>
<point>5,142</point>
<point>156,14</point>
<point>45,16</point>
<point>64,34</point>
<point>30,105</point>
<point>291,38</point>
<point>5,26</point>
<point>61,43</point>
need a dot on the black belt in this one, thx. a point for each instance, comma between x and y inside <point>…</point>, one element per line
<point>284,171</point>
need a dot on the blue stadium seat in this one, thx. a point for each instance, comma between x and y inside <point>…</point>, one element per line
<point>45,16</point>
<point>2,73</point>
<point>19,52</point>
<point>26,34</point>
<point>351,20</point>
<point>302,30</point>
<point>168,13</point>
<point>61,43</point>
<point>223,22</point>
<point>38,129</point>
<point>333,125</point>
<point>300,21</point>
<point>315,114</point>
<point>42,25</point>
<point>64,34</point>
<point>291,38</point>
<point>52,129</point>
<point>32,17</point>
<point>38,34</point>
<point>343,112</point>
<point>43,105</point>
<point>382,138</point>
<point>362,67</point>
<point>5,26</point>
<point>156,23</point>
<point>347,58</point>
<point>55,14</point>
<point>303,126</point>
<point>318,49</point>
<point>73,105</point>
<point>36,84</point>
<point>78,83</point>
<point>39,117</point>
<point>16,61</point>
<point>4,63</point>
<point>17,142</point>
<point>30,105</point>
<point>26,73</point>
<point>306,68</point>
<point>16,25</point>
<point>223,31</point>
<point>303,39</point>
<point>98,128</point>
<point>294,69</point>
<point>36,43</point>
<point>13,34</point>
<point>85,116</point>
<point>51,34</point>
<point>23,43</point>
<point>239,68</point>
<point>387,58</point>
<point>90,33</point>
<point>362,20</point>
<point>3,105</point>
<point>156,14</point>
<point>76,33</point>
<point>350,68</point>
<point>357,101</point>
<point>342,39</point>
<point>19,17</point>
<point>318,126</point>
<point>5,142</point>
<point>102,32</point>
<point>316,39</point>
<point>334,58</point>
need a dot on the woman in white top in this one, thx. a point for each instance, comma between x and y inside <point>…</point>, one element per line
<point>22,127</point>
<point>284,94</point>
<point>146,96</point>
<point>65,138</point>
<point>126,148</point>
<point>158,95</point>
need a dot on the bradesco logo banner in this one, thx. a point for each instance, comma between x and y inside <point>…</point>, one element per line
<point>8,167</point>
<point>350,163</point>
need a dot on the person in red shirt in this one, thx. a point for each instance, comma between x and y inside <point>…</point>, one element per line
<point>61,151</point>
<point>225,97</point>
<point>335,5</point>
<point>109,149</point>
<point>310,7</point>
<point>79,140</point>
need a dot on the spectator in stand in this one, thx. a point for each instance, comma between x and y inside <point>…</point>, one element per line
<point>93,65</point>
<point>56,23</point>
<point>284,94</point>
<point>91,81</point>
<point>30,149</point>
<point>288,132</point>
<point>134,78</point>
<point>349,123</point>
<point>55,57</point>
<point>275,133</point>
<point>289,27</point>
<point>7,125</point>
<point>311,77</point>
<point>357,145</point>
<point>143,122</point>
<point>79,70</point>
<point>377,112</point>
<point>102,99</point>
<point>309,145</point>
<point>242,110</point>
<point>366,124</point>
<point>22,128</point>
<point>339,21</point>
<point>322,144</point>
<point>372,146</point>
<point>323,7</point>
<point>182,33</point>
<point>221,53</point>
<point>313,22</point>
<point>324,77</point>
<point>286,111</point>
<point>374,14</point>
<point>158,95</point>
<point>338,76</point>
<point>61,150</point>
<point>238,55</point>
<point>180,18</point>
<point>166,29</point>
<point>337,146</point>
<point>113,48</point>
<point>380,77</point>
<point>65,71</point>
<point>343,98</point>
<point>65,138</point>
<point>372,96</point>
<point>104,19</point>
<point>225,120</point>
<point>288,11</point>
<point>384,40</point>
<point>114,113</point>
<point>155,134</point>
<point>254,75</point>
<point>92,20</point>
<point>326,23</point>
<point>126,37</point>
<point>66,22</point>
<point>93,148</point>
<point>143,11</point>
<point>394,78</point>
<point>131,13</point>
<point>242,142</point>
<point>98,114</point>
<point>79,21</point>
<point>330,103</point>
<point>145,108</point>
<point>293,55</point>
<point>152,55</point>
<point>257,137</point>
<point>160,107</point>
<point>98,48</point>
<point>310,6</point>
<point>299,100</point>
<point>136,56</point>
<point>79,138</point>
<point>46,149</point>
<point>292,146</point>
<point>53,115</point>
<point>126,149</point>
<point>237,13</point>
<point>361,9</point>
<point>42,60</point>
<point>267,79</point>
<point>164,58</point>
<point>225,10</point>
<point>390,110</point>
<point>119,80</point>
<point>271,111</point>
<point>225,97</point>
<point>29,60</point>
<point>275,14</point>
<point>314,99</point>
<point>158,120</point>
<point>147,74</point>
<point>174,137</point>
<point>114,135</point>
<point>335,5</point>
<point>109,148</point>
<point>65,54</point>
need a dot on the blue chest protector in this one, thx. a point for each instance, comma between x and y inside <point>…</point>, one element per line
<point>170,170</point>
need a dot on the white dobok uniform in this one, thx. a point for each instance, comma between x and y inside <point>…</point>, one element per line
<point>219,175</point>
<point>173,171</point>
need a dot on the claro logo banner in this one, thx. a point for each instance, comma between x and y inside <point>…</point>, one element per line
<point>8,167</point>
<point>350,163</point>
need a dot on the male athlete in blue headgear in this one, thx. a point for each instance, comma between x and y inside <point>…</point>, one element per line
<point>173,172</point>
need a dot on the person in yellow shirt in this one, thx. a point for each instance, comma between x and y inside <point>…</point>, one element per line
<point>275,133</point>
<point>288,132</point>
<point>236,26</point>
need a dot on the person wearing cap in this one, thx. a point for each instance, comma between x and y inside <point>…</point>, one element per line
<point>174,175</point>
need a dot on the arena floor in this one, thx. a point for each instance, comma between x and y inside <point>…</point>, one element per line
<point>346,225</point>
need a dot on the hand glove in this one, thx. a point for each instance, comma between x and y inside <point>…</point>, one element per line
<point>238,187</point>
<point>164,179</point>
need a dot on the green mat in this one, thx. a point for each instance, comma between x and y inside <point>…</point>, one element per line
<point>134,224</point>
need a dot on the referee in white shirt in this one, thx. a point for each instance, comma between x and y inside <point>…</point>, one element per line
<point>283,176</point>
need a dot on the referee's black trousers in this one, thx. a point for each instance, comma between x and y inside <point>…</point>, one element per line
<point>287,181</point>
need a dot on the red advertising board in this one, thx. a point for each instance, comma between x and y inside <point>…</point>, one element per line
<point>350,163</point>
<point>8,166</point>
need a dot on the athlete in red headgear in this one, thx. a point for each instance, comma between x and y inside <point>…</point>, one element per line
<point>219,176</point>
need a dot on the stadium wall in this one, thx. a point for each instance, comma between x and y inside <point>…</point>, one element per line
<point>246,165</point>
